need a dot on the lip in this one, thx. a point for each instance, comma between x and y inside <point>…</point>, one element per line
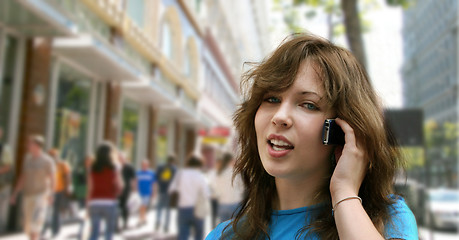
<point>278,154</point>
<point>279,137</point>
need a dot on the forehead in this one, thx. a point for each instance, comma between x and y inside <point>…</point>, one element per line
<point>307,79</point>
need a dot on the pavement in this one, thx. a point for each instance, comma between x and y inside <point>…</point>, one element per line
<point>69,231</point>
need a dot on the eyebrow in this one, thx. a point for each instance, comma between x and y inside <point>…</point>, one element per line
<point>310,93</point>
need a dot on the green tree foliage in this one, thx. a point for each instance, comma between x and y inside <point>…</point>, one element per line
<point>441,147</point>
<point>343,17</point>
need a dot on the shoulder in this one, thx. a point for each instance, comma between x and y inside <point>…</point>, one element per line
<point>47,160</point>
<point>218,231</point>
<point>65,165</point>
<point>402,224</point>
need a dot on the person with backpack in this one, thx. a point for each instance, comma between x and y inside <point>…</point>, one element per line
<point>165,174</point>
<point>61,191</point>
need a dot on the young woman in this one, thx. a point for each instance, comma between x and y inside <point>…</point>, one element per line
<point>104,187</point>
<point>297,187</point>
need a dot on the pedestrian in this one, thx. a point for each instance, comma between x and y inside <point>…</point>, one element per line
<point>212,176</point>
<point>130,184</point>
<point>165,174</point>
<point>146,186</point>
<point>61,192</point>
<point>80,180</point>
<point>36,181</point>
<point>104,186</point>
<point>80,190</point>
<point>228,191</point>
<point>191,185</point>
<point>297,187</point>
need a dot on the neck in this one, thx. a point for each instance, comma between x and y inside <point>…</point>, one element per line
<point>36,153</point>
<point>296,193</point>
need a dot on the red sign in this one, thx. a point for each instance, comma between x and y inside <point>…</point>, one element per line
<point>215,132</point>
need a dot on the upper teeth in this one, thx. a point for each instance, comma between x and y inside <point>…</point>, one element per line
<point>278,142</point>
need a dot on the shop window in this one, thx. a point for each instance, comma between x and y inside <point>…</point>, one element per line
<point>129,130</point>
<point>161,142</point>
<point>6,101</point>
<point>72,113</point>
<point>6,85</point>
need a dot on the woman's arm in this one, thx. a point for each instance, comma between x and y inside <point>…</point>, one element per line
<point>351,219</point>
<point>119,182</point>
<point>174,185</point>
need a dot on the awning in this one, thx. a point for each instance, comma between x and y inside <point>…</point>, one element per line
<point>147,91</point>
<point>101,59</point>
<point>151,92</point>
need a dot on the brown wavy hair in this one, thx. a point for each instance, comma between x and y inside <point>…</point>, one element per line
<point>349,92</point>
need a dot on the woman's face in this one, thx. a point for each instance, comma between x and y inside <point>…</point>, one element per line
<point>289,128</point>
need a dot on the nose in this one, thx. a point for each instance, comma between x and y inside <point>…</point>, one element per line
<point>281,117</point>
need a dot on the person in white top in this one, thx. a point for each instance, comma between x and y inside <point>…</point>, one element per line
<point>229,192</point>
<point>192,187</point>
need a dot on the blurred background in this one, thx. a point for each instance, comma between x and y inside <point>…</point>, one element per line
<point>161,77</point>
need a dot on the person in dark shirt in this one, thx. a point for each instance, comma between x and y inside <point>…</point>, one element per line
<point>129,179</point>
<point>165,174</point>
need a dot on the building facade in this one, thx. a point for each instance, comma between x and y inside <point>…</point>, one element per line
<point>137,73</point>
<point>430,77</point>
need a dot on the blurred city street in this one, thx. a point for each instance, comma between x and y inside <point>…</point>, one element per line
<point>153,85</point>
<point>70,230</point>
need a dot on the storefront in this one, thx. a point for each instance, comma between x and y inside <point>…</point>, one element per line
<point>11,65</point>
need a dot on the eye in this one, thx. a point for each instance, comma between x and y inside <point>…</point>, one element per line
<point>272,100</point>
<point>310,106</point>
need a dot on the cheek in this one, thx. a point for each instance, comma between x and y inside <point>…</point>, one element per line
<point>310,133</point>
<point>260,122</point>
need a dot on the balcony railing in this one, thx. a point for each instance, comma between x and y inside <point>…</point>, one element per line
<point>140,47</point>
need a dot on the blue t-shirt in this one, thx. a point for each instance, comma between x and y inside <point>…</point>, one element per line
<point>145,180</point>
<point>285,224</point>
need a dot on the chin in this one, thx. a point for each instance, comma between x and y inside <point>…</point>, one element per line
<point>276,168</point>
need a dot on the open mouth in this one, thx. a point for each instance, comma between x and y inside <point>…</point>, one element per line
<point>280,145</point>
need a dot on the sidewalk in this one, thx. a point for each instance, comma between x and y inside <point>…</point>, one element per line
<point>70,231</point>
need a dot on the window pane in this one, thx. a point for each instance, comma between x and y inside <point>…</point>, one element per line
<point>161,143</point>
<point>72,112</point>
<point>129,130</point>
<point>166,41</point>
<point>6,85</point>
<point>135,10</point>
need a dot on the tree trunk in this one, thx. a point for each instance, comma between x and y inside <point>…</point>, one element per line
<point>353,31</point>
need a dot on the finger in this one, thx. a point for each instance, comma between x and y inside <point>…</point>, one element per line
<point>349,135</point>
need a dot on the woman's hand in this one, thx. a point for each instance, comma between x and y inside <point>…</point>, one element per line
<point>350,168</point>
